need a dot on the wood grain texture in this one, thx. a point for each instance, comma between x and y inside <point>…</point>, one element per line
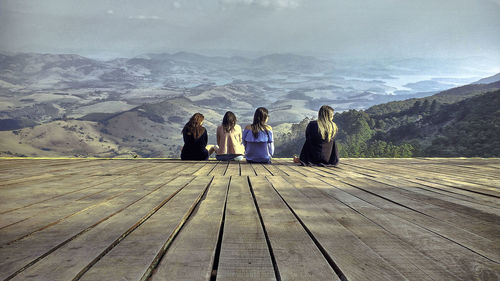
<point>167,219</point>
<point>192,253</point>
<point>244,253</point>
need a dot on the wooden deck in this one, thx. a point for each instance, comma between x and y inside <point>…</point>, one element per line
<point>368,219</point>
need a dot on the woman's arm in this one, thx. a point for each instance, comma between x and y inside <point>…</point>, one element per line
<point>238,137</point>
<point>270,145</point>
<point>245,132</point>
<point>218,136</point>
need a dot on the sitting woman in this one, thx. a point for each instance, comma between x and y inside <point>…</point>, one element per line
<point>320,147</point>
<point>229,139</point>
<point>195,139</point>
<point>258,138</point>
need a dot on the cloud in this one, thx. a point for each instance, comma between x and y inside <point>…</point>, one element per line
<point>142,17</point>
<point>110,12</point>
<point>177,5</point>
<point>279,4</point>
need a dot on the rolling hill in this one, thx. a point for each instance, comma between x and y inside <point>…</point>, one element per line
<point>463,121</point>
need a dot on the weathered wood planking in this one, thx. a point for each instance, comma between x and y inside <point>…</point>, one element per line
<point>342,246</point>
<point>21,254</point>
<point>458,260</point>
<point>233,169</point>
<point>297,257</point>
<point>247,169</point>
<point>453,231</point>
<point>84,249</point>
<point>134,258</point>
<point>192,254</point>
<point>220,169</point>
<point>244,254</point>
<point>145,219</point>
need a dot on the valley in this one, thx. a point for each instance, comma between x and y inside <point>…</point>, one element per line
<point>137,106</point>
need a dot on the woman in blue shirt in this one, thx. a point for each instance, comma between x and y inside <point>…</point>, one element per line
<point>258,138</point>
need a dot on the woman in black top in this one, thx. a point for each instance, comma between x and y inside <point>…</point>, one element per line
<point>195,139</point>
<point>320,147</point>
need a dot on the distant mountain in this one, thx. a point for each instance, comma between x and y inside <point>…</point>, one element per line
<point>291,62</point>
<point>140,104</point>
<point>449,96</point>
<point>487,80</point>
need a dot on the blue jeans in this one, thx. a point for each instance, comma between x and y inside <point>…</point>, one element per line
<point>229,157</point>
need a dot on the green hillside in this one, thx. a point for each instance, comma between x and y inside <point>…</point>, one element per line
<point>463,121</point>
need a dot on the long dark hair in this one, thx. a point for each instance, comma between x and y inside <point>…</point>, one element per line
<point>229,121</point>
<point>193,126</point>
<point>259,121</point>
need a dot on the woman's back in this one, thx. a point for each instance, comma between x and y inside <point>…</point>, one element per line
<point>229,142</point>
<point>258,148</point>
<point>194,148</point>
<point>317,150</point>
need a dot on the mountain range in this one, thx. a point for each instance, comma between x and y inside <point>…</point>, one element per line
<point>52,105</point>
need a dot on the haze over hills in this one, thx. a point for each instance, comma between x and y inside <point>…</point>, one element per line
<point>139,105</point>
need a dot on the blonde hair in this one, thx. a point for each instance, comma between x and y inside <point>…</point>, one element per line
<point>327,128</point>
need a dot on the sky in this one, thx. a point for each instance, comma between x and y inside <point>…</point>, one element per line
<point>333,28</point>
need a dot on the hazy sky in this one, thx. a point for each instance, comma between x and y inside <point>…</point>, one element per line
<point>358,28</point>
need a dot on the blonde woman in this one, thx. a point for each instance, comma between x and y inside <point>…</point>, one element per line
<point>320,147</point>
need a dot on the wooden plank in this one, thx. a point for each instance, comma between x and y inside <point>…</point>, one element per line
<point>220,169</point>
<point>244,253</point>
<point>410,262</point>
<point>434,183</point>
<point>460,236</point>
<point>451,169</point>
<point>233,169</point>
<point>42,216</point>
<point>436,172</point>
<point>134,257</point>
<point>192,253</point>
<point>61,173</point>
<point>273,170</point>
<point>39,215</point>
<point>297,257</point>
<point>260,170</point>
<point>460,261</point>
<point>22,254</point>
<point>15,199</point>
<point>66,261</point>
<point>456,202</point>
<point>284,166</point>
<point>354,258</point>
<point>247,169</point>
<point>36,168</point>
<point>206,169</point>
<point>427,205</point>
